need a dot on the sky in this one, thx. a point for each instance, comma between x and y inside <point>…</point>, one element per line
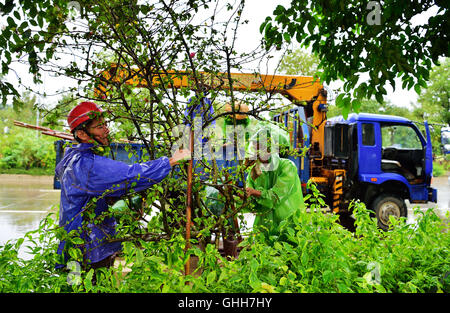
<point>249,38</point>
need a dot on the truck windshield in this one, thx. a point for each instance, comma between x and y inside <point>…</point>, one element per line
<point>400,137</point>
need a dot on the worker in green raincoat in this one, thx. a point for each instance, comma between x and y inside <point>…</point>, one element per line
<point>273,182</point>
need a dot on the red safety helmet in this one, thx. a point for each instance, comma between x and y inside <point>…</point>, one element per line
<point>83,112</point>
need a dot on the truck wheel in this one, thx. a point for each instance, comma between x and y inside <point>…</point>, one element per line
<point>386,205</point>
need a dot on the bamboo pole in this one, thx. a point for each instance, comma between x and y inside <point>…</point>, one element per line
<point>46,131</point>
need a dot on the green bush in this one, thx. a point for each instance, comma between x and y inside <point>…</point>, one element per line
<point>23,150</point>
<point>315,255</point>
<point>438,169</point>
<point>321,256</point>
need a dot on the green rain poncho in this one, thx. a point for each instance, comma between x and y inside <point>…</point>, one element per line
<point>280,187</point>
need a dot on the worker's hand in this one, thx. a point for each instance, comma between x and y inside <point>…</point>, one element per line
<point>180,155</point>
<point>253,192</point>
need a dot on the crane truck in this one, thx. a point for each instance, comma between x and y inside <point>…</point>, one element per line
<point>380,160</point>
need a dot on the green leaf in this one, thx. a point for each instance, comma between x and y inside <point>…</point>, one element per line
<point>343,288</point>
<point>279,10</point>
<point>356,105</point>
<point>11,22</point>
<point>263,25</point>
<point>78,241</point>
<point>327,276</point>
<point>311,26</point>
<point>7,7</point>
<point>139,257</point>
<point>379,97</point>
<point>40,20</point>
<point>304,257</point>
<point>211,277</point>
<point>338,100</point>
<point>19,242</point>
<point>88,280</point>
<point>287,37</point>
<point>49,53</point>
<point>222,276</point>
<point>417,88</point>
<point>345,110</point>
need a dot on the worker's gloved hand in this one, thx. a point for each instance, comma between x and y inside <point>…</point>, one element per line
<point>179,155</point>
<point>253,192</point>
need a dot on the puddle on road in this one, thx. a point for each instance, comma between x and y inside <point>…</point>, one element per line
<point>24,201</point>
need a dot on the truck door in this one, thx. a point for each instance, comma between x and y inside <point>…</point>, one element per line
<point>404,151</point>
<point>428,154</point>
<point>369,142</point>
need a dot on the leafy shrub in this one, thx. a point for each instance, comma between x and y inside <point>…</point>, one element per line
<point>22,149</point>
<point>438,169</point>
<point>316,254</point>
<point>321,256</point>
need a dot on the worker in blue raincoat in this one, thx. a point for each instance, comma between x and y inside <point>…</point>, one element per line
<point>89,179</point>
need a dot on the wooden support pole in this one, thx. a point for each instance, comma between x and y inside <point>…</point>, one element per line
<point>187,266</point>
<point>46,131</point>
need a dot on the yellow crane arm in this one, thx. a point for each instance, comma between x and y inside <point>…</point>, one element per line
<point>296,88</point>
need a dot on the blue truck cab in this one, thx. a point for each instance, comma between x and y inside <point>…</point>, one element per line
<point>382,160</point>
<point>391,155</point>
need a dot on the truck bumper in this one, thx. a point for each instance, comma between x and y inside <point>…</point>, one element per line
<point>432,195</point>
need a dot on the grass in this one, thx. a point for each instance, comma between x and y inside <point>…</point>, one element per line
<point>440,167</point>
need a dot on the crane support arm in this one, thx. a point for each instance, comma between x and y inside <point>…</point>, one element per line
<point>296,88</point>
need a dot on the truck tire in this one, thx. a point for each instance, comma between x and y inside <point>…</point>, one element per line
<point>386,205</point>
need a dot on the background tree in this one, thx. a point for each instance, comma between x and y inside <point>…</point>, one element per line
<point>295,62</point>
<point>434,102</point>
<point>357,38</point>
<point>435,99</point>
<point>372,106</point>
<point>147,40</point>
<point>299,62</point>
<point>24,150</point>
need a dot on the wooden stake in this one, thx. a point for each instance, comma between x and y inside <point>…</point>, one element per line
<point>187,266</point>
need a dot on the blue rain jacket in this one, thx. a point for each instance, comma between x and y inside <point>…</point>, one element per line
<point>84,176</point>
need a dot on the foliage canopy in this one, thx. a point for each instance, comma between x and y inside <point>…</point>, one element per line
<point>357,38</point>
<point>317,255</point>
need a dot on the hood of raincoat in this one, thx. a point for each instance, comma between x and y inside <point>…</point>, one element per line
<point>270,137</point>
